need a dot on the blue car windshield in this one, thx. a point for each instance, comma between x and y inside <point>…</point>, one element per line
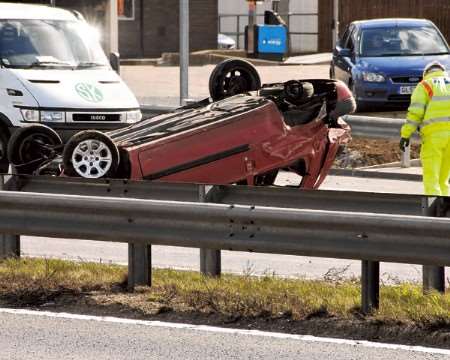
<point>401,41</point>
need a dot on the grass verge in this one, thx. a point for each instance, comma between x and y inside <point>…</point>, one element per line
<point>42,282</point>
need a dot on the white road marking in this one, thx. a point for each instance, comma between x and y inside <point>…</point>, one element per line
<point>214,329</point>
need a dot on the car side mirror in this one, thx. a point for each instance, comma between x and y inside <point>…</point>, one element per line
<point>345,52</point>
<point>114,60</point>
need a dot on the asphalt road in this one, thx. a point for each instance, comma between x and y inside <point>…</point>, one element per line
<point>42,337</point>
<point>236,262</point>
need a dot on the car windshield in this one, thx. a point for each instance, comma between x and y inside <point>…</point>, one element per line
<point>402,41</point>
<point>49,44</point>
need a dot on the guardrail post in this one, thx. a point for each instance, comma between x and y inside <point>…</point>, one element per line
<point>370,286</point>
<point>434,276</point>
<point>139,265</point>
<point>406,157</point>
<point>210,259</point>
<point>9,244</point>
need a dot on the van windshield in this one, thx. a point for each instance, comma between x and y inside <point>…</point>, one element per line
<point>49,44</point>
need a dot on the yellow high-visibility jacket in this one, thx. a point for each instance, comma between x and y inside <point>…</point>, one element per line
<point>430,106</point>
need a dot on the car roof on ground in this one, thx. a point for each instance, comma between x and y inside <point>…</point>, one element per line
<point>34,12</point>
<point>390,22</point>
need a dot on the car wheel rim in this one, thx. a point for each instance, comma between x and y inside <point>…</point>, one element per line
<point>91,159</point>
<point>234,82</point>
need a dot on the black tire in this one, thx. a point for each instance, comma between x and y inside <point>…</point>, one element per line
<point>89,143</point>
<point>266,179</point>
<point>32,145</point>
<point>298,92</point>
<point>4,163</point>
<point>232,77</point>
<point>360,107</point>
<point>332,72</point>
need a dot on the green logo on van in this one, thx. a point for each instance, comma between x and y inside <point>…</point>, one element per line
<point>89,92</point>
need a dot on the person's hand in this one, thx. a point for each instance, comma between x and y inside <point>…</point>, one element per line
<point>404,142</point>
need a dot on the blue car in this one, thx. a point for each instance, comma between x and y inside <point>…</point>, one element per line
<point>382,60</point>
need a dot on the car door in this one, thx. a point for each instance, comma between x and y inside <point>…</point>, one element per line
<point>343,55</point>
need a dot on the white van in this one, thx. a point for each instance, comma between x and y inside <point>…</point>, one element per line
<point>53,71</point>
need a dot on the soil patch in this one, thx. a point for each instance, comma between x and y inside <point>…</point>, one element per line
<point>363,152</point>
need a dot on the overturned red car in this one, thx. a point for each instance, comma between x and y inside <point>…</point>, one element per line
<point>245,133</point>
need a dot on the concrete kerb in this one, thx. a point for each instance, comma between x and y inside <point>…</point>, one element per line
<point>212,57</point>
<point>197,59</point>
<point>414,163</point>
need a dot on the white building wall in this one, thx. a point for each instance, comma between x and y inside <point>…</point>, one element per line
<point>229,22</point>
<point>304,6</point>
<point>308,22</point>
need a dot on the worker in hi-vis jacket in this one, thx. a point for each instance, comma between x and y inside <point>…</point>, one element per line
<point>429,113</point>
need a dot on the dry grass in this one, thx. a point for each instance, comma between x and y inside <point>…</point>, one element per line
<point>36,281</point>
<point>271,296</point>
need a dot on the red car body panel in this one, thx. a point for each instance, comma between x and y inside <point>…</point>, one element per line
<point>231,141</point>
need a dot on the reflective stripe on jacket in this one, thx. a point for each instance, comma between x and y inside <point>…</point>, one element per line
<point>430,106</point>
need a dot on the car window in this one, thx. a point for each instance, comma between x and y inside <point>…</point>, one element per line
<point>344,37</point>
<point>351,40</point>
<point>402,41</point>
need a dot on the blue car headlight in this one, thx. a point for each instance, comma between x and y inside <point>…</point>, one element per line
<point>373,77</point>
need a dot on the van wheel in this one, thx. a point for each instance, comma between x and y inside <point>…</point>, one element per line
<point>91,154</point>
<point>30,146</point>
<point>4,163</point>
<point>232,77</point>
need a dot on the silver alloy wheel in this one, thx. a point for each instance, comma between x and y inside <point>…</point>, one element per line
<point>91,159</point>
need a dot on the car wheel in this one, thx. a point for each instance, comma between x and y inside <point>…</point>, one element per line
<point>360,106</point>
<point>30,146</point>
<point>4,163</point>
<point>90,154</point>
<point>232,77</point>
<point>297,92</point>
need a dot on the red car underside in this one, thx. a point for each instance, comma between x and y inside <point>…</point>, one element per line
<point>233,140</point>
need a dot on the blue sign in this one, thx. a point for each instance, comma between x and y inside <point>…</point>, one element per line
<point>272,39</point>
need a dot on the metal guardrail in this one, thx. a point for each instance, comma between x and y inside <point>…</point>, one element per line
<point>374,127</point>
<point>283,197</point>
<point>336,234</point>
<point>269,220</point>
